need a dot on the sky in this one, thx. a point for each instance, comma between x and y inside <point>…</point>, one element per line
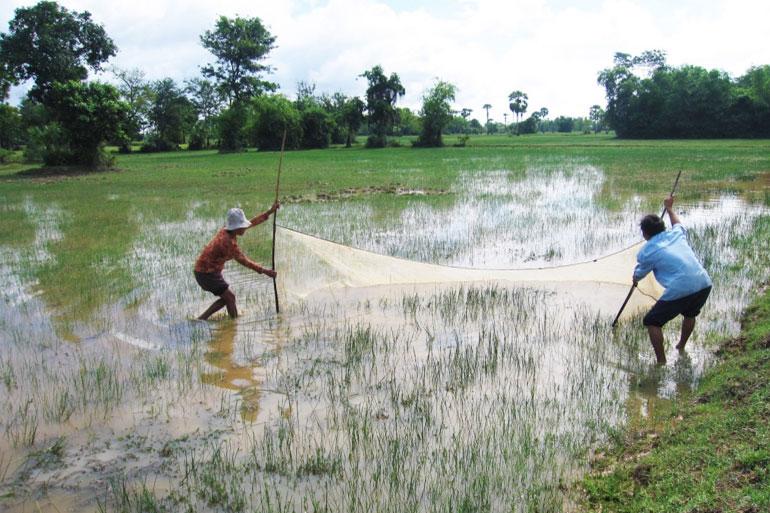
<point>552,50</point>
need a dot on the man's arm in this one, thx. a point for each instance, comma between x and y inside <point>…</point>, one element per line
<point>251,264</point>
<point>264,216</point>
<point>669,204</point>
<point>641,271</point>
<point>643,266</point>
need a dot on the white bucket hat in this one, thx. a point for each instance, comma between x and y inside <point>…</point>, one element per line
<point>236,219</point>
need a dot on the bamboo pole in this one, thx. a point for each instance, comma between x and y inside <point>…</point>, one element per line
<point>275,216</point>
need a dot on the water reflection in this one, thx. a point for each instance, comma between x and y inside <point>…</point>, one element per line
<point>653,388</point>
<point>229,374</point>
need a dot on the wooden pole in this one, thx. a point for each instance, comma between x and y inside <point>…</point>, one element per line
<point>275,215</point>
<point>623,306</point>
<point>673,190</point>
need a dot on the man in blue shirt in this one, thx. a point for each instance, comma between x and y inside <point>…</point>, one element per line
<point>669,256</point>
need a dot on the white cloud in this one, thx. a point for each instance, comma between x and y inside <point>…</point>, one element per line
<point>551,49</point>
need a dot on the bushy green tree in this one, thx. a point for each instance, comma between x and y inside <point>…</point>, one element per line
<point>55,48</point>
<point>208,102</point>
<point>436,113</point>
<point>33,113</point>
<point>232,130</point>
<point>272,114</point>
<point>89,114</point>
<point>756,84</point>
<point>10,127</point>
<point>239,45</point>
<point>171,116</point>
<point>351,118</point>
<point>564,124</point>
<point>456,125</point>
<point>334,105</point>
<point>137,94</point>
<point>596,115</point>
<point>459,122</point>
<point>409,123</point>
<point>6,81</point>
<point>529,125</point>
<point>316,127</point>
<point>47,143</point>
<point>750,110</point>
<point>48,43</point>
<point>688,101</point>
<point>381,97</point>
<point>317,115</point>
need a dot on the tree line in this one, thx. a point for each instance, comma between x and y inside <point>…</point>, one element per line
<point>67,120</point>
<point>646,98</point>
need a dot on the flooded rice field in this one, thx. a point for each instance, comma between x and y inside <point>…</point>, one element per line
<point>432,387</point>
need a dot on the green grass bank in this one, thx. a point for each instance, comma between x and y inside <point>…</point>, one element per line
<point>706,453</point>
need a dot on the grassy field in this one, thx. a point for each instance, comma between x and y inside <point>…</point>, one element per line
<point>360,401</point>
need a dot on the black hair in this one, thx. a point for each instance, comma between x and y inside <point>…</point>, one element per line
<point>652,225</point>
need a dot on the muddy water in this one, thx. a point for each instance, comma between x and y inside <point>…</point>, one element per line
<point>138,385</point>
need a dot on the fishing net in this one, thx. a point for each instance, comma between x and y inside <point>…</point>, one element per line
<point>311,267</point>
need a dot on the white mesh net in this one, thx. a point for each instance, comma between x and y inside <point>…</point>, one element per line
<point>311,267</point>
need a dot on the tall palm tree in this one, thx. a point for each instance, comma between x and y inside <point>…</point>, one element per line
<point>518,105</point>
<point>543,115</point>
<point>486,107</point>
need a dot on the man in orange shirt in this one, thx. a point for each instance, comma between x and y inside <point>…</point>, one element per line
<point>224,247</point>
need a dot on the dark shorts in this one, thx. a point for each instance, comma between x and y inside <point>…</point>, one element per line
<point>688,306</point>
<point>212,282</point>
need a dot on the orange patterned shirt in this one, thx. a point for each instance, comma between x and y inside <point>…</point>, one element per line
<point>223,247</point>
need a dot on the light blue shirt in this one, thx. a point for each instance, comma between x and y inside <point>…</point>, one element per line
<point>671,259</point>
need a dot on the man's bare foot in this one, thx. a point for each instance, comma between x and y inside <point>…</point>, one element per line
<point>680,347</point>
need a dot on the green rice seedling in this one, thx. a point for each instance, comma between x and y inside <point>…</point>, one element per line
<point>358,344</point>
<point>409,304</point>
<point>271,458</point>
<point>5,464</point>
<point>124,498</point>
<point>7,374</point>
<point>97,383</point>
<point>319,463</point>
<point>22,424</point>
<point>217,493</point>
<point>155,369</point>
<point>60,407</point>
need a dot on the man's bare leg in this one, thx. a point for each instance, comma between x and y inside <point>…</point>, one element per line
<point>656,338</point>
<point>214,308</point>
<point>229,299</point>
<point>688,324</point>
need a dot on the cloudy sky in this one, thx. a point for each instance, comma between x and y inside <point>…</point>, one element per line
<point>550,49</point>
